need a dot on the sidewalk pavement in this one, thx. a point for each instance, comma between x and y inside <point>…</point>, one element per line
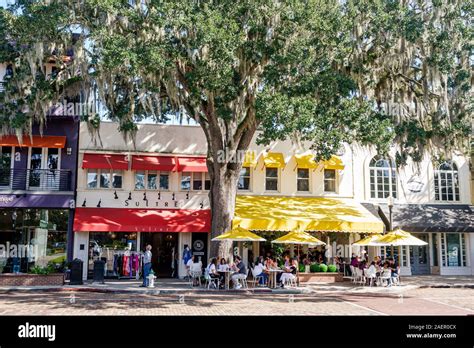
<point>176,286</point>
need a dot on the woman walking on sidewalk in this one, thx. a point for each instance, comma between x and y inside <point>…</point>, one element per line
<point>146,265</point>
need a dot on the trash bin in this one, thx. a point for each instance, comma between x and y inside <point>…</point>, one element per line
<point>76,272</point>
<point>99,267</point>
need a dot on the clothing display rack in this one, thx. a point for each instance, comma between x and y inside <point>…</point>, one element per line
<point>127,264</point>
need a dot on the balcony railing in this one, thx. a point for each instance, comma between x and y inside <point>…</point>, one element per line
<point>35,179</point>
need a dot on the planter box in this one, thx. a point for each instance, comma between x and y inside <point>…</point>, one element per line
<point>10,279</point>
<point>320,277</point>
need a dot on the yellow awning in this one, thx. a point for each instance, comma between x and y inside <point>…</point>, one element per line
<point>278,213</point>
<point>306,161</point>
<point>250,159</point>
<point>334,162</point>
<point>274,160</point>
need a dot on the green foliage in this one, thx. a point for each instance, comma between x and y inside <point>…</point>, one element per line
<point>301,267</point>
<point>332,268</point>
<point>42,270</point>
<point>323,268</point>
<point>314,268</point>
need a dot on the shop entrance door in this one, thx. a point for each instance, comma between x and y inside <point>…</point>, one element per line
<point>164,246</point>
<point>419,257</point>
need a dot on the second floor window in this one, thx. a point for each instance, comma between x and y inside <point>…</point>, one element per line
<point>383,178</point>
<point>244,179</point>
<point>151,180</point>
<point>302,179</point>
<point>104,178</point>
<point>195,181</point>
<point>446,182</point>
<point>271,179</point>
<point>329,180</point>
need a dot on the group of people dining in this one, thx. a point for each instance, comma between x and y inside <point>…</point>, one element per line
<point>388,268</point>
<point>217,268</point>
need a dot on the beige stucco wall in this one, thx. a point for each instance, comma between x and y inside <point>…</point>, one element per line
<point>352,182</point>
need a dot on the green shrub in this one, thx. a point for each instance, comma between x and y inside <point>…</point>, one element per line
<point>42,270</point>
<point>314,268</point>
<point>301,268</point>
<point>332,268</point>
<point>323,268</point>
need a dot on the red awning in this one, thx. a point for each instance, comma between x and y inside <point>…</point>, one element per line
<point>104,161</point>
<point>141,220</point>
<point>166,163</point>
<point>192,164</point>
<point>34,141</point>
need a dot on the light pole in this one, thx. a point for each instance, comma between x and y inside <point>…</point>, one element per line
<point>390,202</point>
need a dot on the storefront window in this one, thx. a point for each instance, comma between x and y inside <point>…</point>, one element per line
<point>453,250</point>
<point>244,179</point>
<point>329,180</point>
<point>32,237</point>
<point>164,181</point>
<point>434,248</point>
<point>104,180</point>
<point>271,179</point>
<point>107,246</point>
<point>185,181</point>
<point>303,179</point>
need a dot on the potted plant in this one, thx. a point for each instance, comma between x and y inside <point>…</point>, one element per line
<point>323,268</point>
<point>314,268</point>
<point>332,268</point>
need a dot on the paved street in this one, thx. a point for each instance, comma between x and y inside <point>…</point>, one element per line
<point>429,301</point>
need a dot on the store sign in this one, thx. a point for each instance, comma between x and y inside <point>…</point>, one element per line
<point>6,199</point>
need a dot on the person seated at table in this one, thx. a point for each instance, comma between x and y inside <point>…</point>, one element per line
<point>212,268</point>
<point>362,264</point>
<point>223,266</point>
<point>195,268</point>
<point>287,260</point>
<point>372,271</point>
<point>269,263</point>
<point>259,271</point>
<point>339,264</point>
<point>355,262</point>
<point>385,269</point>
<point>241,272</point>
<point>188,265</point>
<point>288,272</point>
<point>377,260</point>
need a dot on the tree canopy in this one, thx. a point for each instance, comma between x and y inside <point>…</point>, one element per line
<point>323,71</point>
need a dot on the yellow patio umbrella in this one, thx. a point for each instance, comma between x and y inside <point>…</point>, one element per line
<point>298,237</point>
<point>369,241</point>
<point>239,234</point>
<point>398,238</point>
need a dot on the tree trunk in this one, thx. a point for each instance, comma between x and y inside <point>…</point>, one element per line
<point>222,199</point>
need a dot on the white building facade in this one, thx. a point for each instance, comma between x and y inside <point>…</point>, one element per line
<point>155,191</point>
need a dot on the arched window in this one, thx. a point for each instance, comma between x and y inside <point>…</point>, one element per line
<point>446,182</point>
<point>383,178</point>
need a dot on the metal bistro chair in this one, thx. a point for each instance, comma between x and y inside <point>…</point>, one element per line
<point>256,278</point>
<point>243,281</point>
<point>370,277</point>
<point>195,275</point>
<point>292,281</point>
<point>215,282</point>
<point>385,276</point>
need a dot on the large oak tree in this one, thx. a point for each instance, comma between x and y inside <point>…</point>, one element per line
<point>328,72</point>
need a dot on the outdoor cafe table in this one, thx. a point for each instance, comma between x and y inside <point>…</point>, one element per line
<point>273,277</point>
<point>227,277</point>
